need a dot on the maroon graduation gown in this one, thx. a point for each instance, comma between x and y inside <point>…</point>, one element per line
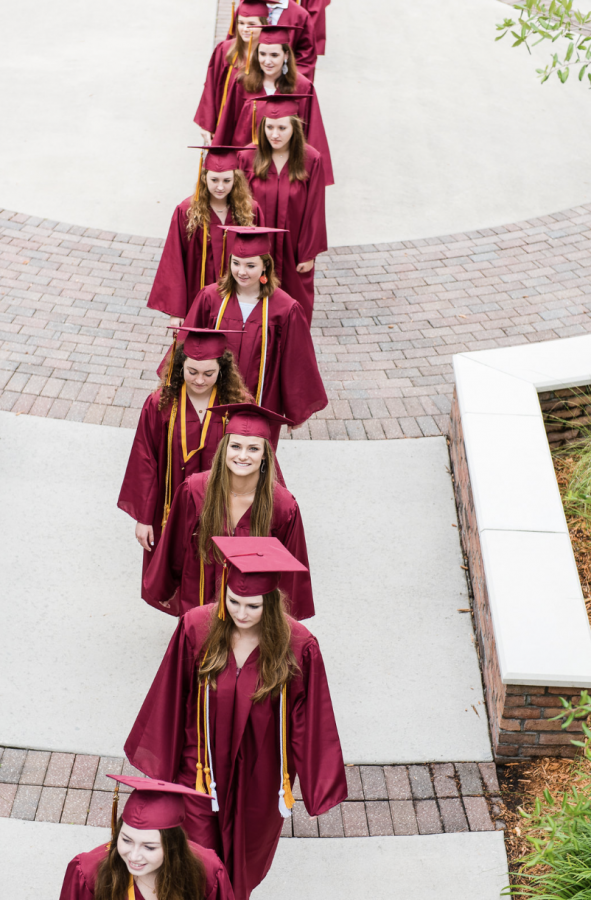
<point>293,386</point>
<point>178,278</point>
<point>143,489</point>
<point>235,126</point>
<point>213,89</point>
<point>297,206</point>
<point>82,871</point>
<point>304,39</point>
<point>317,11</point>
<point>176,567</point>
<point>245,746</point>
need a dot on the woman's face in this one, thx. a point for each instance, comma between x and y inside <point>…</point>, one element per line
<point>279,132</point>
<point>219,184</point>
<point>201,374</point>
<point>247,271</point>
<point>271,59</point>
<point>247,26</point>
<point>140,850</point>
<point>246,612</point>
<point>245,454</point>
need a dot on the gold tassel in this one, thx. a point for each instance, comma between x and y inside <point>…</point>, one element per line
<point>114,809</point>
<point>168,481</point>
<point>203,256</point>
<point>231,32</point>
<point>225,94</point>
<point>201,583</point>
<point>254,123</point>
<point>171,361</point>
<point>199,176</point>
<point>199,786</point>
<point>206,769</point>
<point>222,609</point>
<point>223,253</point>
<point>288,796</point>
<point>249,51</point>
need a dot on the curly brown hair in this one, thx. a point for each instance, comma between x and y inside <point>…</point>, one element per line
<point>239,199</point>
<point>297,152</point>
<point>239,46</point>
<point>227,284</point>
<point>181,876</point>
<point>285,84</point>
<point>230,384</point>
<point>276,664</point>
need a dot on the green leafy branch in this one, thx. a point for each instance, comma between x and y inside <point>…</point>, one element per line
<point>538,22</point>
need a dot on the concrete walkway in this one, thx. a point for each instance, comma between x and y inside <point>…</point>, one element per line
<point>386,569</point>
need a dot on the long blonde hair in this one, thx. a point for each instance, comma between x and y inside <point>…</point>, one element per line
<point>239,200</point>
<point>215,515</point>
<point>276,665</point>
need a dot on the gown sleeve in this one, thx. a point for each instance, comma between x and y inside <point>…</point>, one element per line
<point>207,111</point>
<point>312,237</point>
<point>297,585</point>
<point>314,741</point>
<point>156,741</point>
<point>221,889</point>
<point>164,574</point>
<point>139,491</point>
<point>75,886</point>
<point>302,390</point>
<point>305,49</point>
<point>259,218</point>
<point>169,292</point>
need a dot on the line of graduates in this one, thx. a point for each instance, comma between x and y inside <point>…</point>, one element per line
<point>240,705</point>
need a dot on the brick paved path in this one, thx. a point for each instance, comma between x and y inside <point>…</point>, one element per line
<point>383,800</point>
<point>77,341</point>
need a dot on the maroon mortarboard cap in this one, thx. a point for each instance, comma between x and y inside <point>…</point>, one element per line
<point>253,8</point>
<point>203,343</point>
<point>154,804</point>
<point>279,105</point>
<point>249,420</point>
<point>278,34</point>
<point>255,564</point>
<point>219,159</point>
<point>251,240</point>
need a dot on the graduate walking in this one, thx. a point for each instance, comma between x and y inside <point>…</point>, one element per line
<point>272,70</point>
<point>149,856</point>
<point>286,177</point>
<point>239,707</point>
<point>291,13</point>
<point>239,496</point>
<point>196,251</point>
<point>177,435</point>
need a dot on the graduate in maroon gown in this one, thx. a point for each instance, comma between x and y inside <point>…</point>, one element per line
<point>177,434</point>
<point>222,197</point>
<point>272,70</point>
<point>240,706</point>
<point>274,351</point>
<point>291,12</point>
<point>229,60</point>
<point>286,178</point>
<point>317,11</point>
<point>239,496</point>
<point>148,853</point>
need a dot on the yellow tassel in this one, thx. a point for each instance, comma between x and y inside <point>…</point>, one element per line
<point>225,94</point>
<point>199,176</point>
<point>223,254</point>
<point>199,786</point>
<point>231,32</point>
<point>254,123</point>
<point>168,480</point>
<point>203,256</point>
<point>201,582</point>
<point>199,782</point>
<point>222,609</point>
<point>114,809</point>
<point>249,51</point>
<point>171,361</point>
<point>208,779</point>
<point>288,796</point>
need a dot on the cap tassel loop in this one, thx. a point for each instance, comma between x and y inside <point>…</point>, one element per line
<point>255,138</point>
<point>222,609</point>
<point>286,801</point>
<point>248,53</point>
<point>231,31</point>
<point>114,809</point>
<point>210,778</point>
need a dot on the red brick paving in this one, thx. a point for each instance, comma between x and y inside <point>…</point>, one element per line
<point>78,343</point>
<point>73,789</point>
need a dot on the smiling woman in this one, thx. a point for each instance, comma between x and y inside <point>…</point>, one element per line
<point>240,496</point>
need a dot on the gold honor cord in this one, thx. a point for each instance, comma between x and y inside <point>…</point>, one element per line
<point>225,94</point>
<point>203,256</point>
<point>254,122</point>
<point>288,796</point>
<point>199,783</point>
<point>168,480</point>
<point>223,254</point>
<point>130,888</point>
<point>187,456</point>
<point>265,317</point>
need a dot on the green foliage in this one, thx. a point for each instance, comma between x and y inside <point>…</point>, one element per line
<point>559,24</point>
<point>577,497</point>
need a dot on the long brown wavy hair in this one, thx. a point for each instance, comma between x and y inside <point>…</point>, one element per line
<point>276,664</point>
<point>241,47</point>
<point>228,285</point>
<point>181,876</point>
<point>230,384</point>
<point>215,514</point>
<point>239,200</point>
<point>297,152</point>
<point>285,84</point>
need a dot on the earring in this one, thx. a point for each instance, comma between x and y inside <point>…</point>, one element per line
<point>263,467</point>
<point>284,69</point>
<point>263,279</point>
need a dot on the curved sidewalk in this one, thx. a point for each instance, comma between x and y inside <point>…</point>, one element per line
<point>77,341</point>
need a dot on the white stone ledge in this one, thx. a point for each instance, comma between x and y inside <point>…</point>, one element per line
<point>541,628</point>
